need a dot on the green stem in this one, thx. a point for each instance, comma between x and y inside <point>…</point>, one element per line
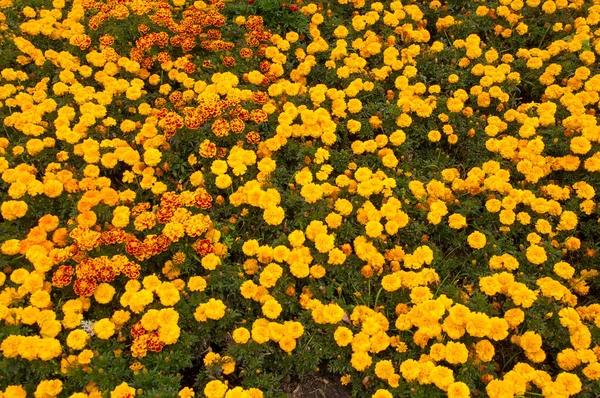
<point>544,36</point>
<point>308,342</point>
<point>377,298</point>
<point>356,290</point>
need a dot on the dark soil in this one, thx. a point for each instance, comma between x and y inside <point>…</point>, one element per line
<point>319,385</point>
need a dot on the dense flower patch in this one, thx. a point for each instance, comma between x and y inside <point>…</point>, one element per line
<point>244,192</point>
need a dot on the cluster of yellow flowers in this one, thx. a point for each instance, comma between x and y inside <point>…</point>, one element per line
<point>263,331</point>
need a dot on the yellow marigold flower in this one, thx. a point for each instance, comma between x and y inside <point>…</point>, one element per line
<point>296,238</point>
<point>477,240</point>
<point>255,77</point>
<point>456,353</point>
<point>168,294</point>
<point>442,377</point>
<point>13,209</point>
<point>48,388</point>
<point>353,126</point>
<point>478,324</point>
<point>104,328</point>
<point>568,359</point>
<point>214,309</point>
<point>15,392</point>
<point>311,192</point>
<point>343,336</point>
<point>317,271</point>
<point>152,157</point>
<point>120,216</point>
<point>384,369</point>
<point>458,390</point>
<point>241,335</point>
<point>123,390</point>
<point>530,341</point>
<point>40,299</point>
<point>120,317</point>
<point>361,360</point>
<point>454,105</point>
<point>250,247</point>
<point>223,181</point>
<point>382,394</point>
<point>210,261</point>
<point>271,309</point>
<point>536,254</point>
<point>354,105</point>
<point>197,284</point>
<point>398,137</point>
<point>228,365</point>
<point>219,167</point>
<point>572,243</point>
<point>127,126</point>
<point>485,350</point>
<point>260,334</point>
<point>10,247</point>
<point>77,339</point>
<point>434,136</point>
<point>514,317</point>
<point>287,344</point>
<point>324,242</point>
<point>274,215</point>
<point>457,221</point>
<point>270,274</point>
<point>104,293</point>
<point>374,229</point>
<point>564,270</point>
<point>420,294</point>
<point>186,393</point>
<point>410,369</point>
<point>592,371</point>
<point>580,145</point>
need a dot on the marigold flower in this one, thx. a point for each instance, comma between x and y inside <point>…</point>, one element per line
<point>477,240</point>
<point>343,336</point>
<point>271,309</point>
<point>48,388</point>
<point>458,390</point>
<point>197,284</point>
<point>241,335</point>
<point>104,293</point>
<point>536,254</point>
<point>104,328</point>
<point>77,339</point>
<point>361,360</point>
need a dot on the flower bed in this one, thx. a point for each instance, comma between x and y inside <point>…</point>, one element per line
<point>218,198</point>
